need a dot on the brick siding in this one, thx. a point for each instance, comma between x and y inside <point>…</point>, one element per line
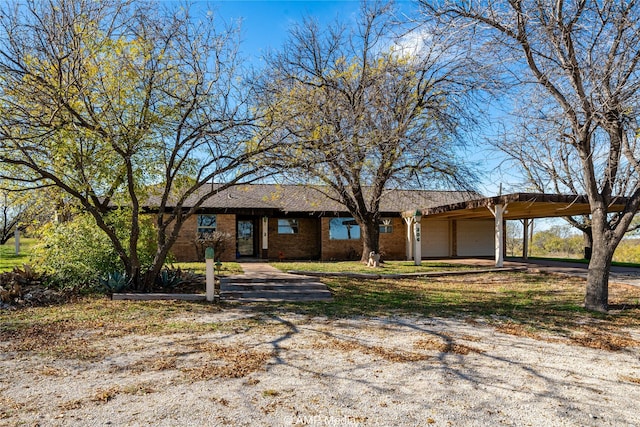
<point>184,249</point>
<point>392,245</point>
<point>302,246</point>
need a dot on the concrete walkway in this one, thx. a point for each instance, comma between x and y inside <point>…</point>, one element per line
<point>262,271</point>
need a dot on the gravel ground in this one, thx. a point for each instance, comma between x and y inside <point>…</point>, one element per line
<point>292,370</point>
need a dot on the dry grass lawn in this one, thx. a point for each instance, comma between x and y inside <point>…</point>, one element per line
<point>128,354</point>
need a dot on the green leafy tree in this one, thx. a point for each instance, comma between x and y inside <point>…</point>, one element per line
<point>557,241</point>
<point>74,256</point>
<point>123,103</point>
<point>356,114</point>
<point>22,209</point>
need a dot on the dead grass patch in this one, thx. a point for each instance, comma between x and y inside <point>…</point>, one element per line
<point>603,340</point>
<point>443,346</point>
<point>71,405</point>
<point>9,405</point>
<point>517,330</point>
<point>251,381</point>
<point>52,339</point>
<point>235,361</point>
<point>104,395</point>
<point>140,389</point>
<point>220,400</point>
<point>600,336</point>
<point>50,371</point>
<point>160,363</point>
<point>634,380</point>
<point>390,355</point>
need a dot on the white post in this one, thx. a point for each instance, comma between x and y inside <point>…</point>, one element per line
<point>265,233</point>
<point>409,245</point>
<point>498,212</point>
<point>418,243</point>
<point>16,236</point>
<point>210,275</point>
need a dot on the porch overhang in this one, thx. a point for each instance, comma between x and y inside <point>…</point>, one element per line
<point>520,206</point>
<point>516,206</point>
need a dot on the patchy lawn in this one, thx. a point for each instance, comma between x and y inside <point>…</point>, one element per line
<point>226,269</point>
<point>484,349</point>
<point>8,257</point>
<point>388,267</point>
<point>528,303</point>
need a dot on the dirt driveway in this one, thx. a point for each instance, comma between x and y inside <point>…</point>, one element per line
<point>244,367</point>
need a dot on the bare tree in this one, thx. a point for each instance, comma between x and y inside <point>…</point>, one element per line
<point>583,56</point>
<point>546,163</point>
<point>123,103</point>
<point>358,111</point>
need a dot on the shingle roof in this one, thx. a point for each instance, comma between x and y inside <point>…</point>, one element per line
<point>299,198</point>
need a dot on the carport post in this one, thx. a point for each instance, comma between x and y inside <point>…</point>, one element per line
<point>417,251</point>
<point>498,212</point>
<point>525,239</point>
<point>409,249</point>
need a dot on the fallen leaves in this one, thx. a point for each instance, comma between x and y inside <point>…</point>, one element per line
<point>590,336</point>
<point>445,346</point>
<point>391,355</point>
<point>227,361</point>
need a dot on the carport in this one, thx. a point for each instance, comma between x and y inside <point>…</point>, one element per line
<point>515,206</point>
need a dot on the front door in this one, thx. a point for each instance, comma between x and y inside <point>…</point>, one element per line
<point>246,238</point>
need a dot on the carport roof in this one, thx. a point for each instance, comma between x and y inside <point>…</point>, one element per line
<point>519,206</point>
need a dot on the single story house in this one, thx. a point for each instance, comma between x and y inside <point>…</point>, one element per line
<point>270,221</point>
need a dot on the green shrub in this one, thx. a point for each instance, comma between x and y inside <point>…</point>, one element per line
<point>169,279</point>
<point>114,282</point>
<point>76,253</point>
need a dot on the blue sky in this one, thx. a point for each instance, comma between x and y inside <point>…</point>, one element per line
<point>265,25</point>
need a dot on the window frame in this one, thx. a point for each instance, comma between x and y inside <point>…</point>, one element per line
<point>206,229</point>
<point>354,230</point>
<point>386,228</point>
<point>292,223</point>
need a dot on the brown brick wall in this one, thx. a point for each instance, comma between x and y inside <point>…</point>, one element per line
<point>311,242</point>
<point>302,246</point>
<point>392,245</point>
<point>184,249</point>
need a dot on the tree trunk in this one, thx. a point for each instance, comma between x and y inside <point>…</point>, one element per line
<point>5,238</point>
<point>370,235</point>
<point>597,295</point>
<point>597,292</point>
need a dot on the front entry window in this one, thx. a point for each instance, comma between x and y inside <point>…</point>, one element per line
<point>246,239</point>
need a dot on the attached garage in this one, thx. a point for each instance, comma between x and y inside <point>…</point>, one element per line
<point>478,225</point>
<point>435,238</point>
<point>475,238</point>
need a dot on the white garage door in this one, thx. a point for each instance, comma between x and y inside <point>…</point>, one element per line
<point>475,238</point>
<point>435,238</point>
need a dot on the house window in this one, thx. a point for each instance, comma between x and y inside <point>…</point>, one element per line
<point>287,226</point>
<point>343,229</point>
<point>386,225</point>
<point>206,224</point>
